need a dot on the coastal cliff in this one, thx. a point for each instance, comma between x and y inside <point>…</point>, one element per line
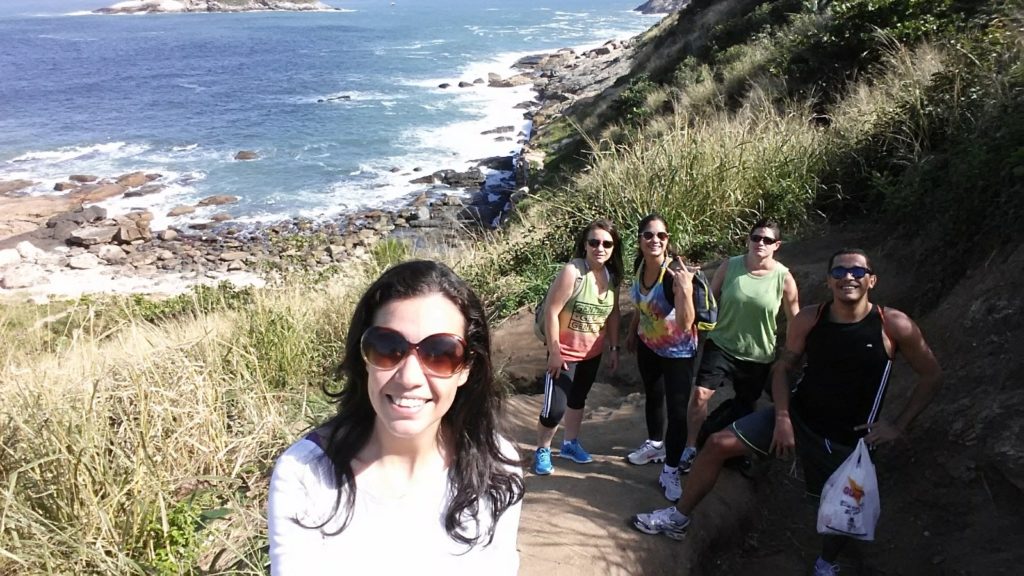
<point>156,6</point>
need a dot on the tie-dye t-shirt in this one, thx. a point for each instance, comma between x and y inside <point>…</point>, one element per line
<point>657,327</point>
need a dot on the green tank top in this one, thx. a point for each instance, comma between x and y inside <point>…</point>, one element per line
<point>746,315</point>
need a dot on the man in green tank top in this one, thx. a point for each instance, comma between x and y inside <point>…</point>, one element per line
<point>750,289</point>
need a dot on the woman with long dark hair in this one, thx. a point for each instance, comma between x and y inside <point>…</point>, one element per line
<point>581,312</point>
<point>663,336</point>
<point>411,473</point>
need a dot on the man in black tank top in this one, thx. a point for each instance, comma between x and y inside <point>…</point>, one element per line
<point>849,345</point>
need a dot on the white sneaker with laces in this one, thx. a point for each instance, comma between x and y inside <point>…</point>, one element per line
<point>647,453</point>
<point>662,522</point>
<point>669,480</point>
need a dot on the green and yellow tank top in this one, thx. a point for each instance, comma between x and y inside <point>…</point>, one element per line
<point>582,320</point>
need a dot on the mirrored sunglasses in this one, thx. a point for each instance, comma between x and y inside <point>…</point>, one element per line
<point>439,354</point>
<point>858,272</point>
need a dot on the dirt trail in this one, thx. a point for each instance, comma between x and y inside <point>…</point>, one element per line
<point>946,510</point>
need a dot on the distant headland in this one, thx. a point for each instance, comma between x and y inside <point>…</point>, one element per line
<point>157,6</point>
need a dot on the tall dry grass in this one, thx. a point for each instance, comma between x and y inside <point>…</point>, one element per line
<point>145,448</point>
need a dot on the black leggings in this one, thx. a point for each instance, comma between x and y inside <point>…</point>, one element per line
<point>567,391</point>
<point>666,384</point>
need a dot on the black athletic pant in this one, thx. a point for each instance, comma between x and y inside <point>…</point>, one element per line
<point>667,386</point>
<point>569,389</point>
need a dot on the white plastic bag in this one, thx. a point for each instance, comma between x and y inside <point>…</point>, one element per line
<point>850,504</point>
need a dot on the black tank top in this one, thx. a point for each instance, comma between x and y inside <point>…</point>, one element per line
<point>846,366</point>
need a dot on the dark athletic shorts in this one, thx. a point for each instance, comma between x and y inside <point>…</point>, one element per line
<point>818,456</point>
<point>718,367</point>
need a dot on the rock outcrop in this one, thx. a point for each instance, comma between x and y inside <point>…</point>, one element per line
<point>661,6</point>
<point>148,6</point>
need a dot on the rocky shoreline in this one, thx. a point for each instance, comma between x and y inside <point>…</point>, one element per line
<point>43,238</point>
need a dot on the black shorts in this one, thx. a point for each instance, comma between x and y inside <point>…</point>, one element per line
<point>818,457</point>
<point>718,368</point>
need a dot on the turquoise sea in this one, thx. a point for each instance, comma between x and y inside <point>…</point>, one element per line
<point>180,94</point>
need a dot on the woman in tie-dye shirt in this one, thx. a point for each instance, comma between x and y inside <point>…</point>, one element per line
<point>664,337</point>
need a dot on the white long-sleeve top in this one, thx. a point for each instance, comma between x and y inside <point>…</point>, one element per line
<point>402,535</point>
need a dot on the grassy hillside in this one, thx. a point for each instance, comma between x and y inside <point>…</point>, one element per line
<point>136,437</point>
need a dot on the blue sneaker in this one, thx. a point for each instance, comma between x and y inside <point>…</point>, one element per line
<point>542,462</point>
<point>573,451</point>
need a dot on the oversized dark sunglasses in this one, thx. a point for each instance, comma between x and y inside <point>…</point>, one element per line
<point>439,354</point>
<point>858,272</point>
<point>594,243</point>
<point>648,235</point>
<point>768,240</point>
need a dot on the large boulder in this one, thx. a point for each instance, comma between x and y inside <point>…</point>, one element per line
<point>111,254</point>
<point>21,276</point>
<point>181,211</point>
<point>517,80</point>
<point>246,155</point>
<point>92,235</point>
<point>97,192</point>
<point>144,191</point>
<point>132,180</point>
<point>83,178</point>
<point>9,186</point>
<point>217,200</point>
<point>29,252</point>
<point>85,261</point>
<point>9,257</point>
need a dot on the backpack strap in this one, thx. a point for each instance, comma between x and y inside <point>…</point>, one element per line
<point>582,267</point>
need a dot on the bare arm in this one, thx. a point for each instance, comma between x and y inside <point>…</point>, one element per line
<point>790,298</point>
<point>783,371</point>
<point>718,280</point>
<point>682,293</point>
<point>558,294</point>
<point>909,340</point>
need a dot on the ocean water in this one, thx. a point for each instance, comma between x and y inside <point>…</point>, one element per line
<point>180,94</point>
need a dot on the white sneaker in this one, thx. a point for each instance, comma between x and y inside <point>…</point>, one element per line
<point>661,522</point>
<point>823,568</point>
<point>670,482</point>
<point>646,454</point>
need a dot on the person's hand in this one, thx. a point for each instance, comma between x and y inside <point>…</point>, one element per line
<point>879,433</point>
<point>613,360</point>
<point>681,276</point>
<point>631,342</point>
<point>783,441</point>
<point>555,363</point>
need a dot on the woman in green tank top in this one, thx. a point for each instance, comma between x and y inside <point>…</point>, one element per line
<point>750,289</point>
